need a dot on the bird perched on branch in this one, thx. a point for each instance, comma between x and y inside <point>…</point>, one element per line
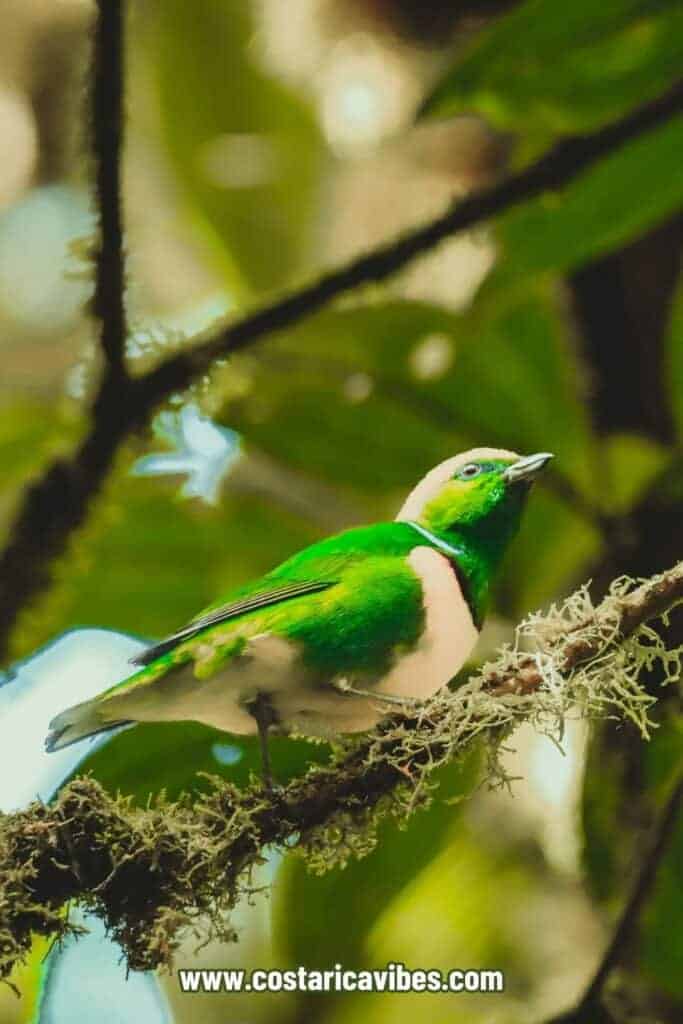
<point>341,632</point>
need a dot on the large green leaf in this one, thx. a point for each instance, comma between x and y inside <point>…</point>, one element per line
<point>147,562</point>
<point>551,68</point>
<point>661,940</point>
<point>674,362</point>
<point>245,148</point>
<point>512,381</point>
<point>625,786</point>
<point>622,197</point>
<point>29,430</point>
<point>151,563</point>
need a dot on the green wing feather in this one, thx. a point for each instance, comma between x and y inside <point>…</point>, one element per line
<point>229,611</point>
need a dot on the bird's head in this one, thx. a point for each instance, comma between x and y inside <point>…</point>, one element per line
<point>478,493</point>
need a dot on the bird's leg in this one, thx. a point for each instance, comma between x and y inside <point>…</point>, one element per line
<point>344,686</point>
<point>262,712</point>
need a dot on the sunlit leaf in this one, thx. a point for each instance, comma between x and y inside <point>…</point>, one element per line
<point>511,380</point>
<point>674,362</point>
<point>547,68</point>
<point>632,464</point>
<point>627,193</point>
<point>245,148</point>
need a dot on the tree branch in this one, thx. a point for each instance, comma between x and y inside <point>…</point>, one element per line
<point>151,873</point>
<point>57,504</point>
<point>558,168</point>
<point>107,133</point>
<point>589,1006</point>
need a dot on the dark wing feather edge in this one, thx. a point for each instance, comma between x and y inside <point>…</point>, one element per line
<point>227,612</point>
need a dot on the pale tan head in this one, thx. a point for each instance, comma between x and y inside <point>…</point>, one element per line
<point>432,483</point>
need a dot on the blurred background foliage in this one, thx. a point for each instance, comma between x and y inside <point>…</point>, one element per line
<point>266,142</point>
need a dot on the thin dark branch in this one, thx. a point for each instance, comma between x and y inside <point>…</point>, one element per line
<point>628,922</point>
<point>57,504</point>
<point>107,132</point>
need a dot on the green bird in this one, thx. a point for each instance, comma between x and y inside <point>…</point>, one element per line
<point>331,639</point>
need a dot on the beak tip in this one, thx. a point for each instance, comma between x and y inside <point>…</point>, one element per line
<point>527,467</point>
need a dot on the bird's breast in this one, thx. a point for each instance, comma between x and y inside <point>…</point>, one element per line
<point>449,633</point>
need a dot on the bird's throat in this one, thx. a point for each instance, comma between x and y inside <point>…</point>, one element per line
<point>473,558</point>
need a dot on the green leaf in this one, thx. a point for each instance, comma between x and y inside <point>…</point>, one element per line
<point>661,938</point>
<point>549,556</point>
<point>622,197</point>
<point>28,430</point>
<point>626,781</point>
<point>547,69</point>
<point>631,464</point>
<point>674,361</point>
<point>147,562</point>
<point>508,379</point>
<point>153,563</point>
<point>246,150</point>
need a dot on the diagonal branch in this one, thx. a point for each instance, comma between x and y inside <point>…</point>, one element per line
<point>151,873</point>
<point>57,503</point>
<point>556,169</point>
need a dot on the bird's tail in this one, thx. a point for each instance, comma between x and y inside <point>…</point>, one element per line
<point>77,722</point>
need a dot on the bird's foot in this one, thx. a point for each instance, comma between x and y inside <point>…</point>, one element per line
<point>271,786</point>
<point>344,686</point>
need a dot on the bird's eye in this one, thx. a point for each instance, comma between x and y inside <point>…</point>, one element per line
<point>471,470</point>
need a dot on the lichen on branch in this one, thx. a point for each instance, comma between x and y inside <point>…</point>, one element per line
<point>154,874</point>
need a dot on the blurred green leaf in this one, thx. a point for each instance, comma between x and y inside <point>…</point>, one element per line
<point>674,361</point>
<point>147,561</point>
<point>631,464</point>
<point>548,68</point>
<point>28,431</point>
<point>246,148</point>
<point>623,196</point>
<point>151,563</point>
<point>607,832</point>
<point>508,378</point>
<point>661,948</point>
<point>549,557</point>
<point>320,920</point>
<point>622,796</point>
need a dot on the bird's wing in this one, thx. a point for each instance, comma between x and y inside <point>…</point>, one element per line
<point>371,594</point>
<point>232,610</point>
<point>105,711</point>
<point>312,570</point>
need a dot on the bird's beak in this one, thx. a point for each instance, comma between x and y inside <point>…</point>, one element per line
<point>526,468</point>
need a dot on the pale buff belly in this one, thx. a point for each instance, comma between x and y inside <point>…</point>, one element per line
<point>303,705</point>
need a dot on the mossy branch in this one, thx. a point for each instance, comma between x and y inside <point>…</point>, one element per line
<point>152,873</point>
